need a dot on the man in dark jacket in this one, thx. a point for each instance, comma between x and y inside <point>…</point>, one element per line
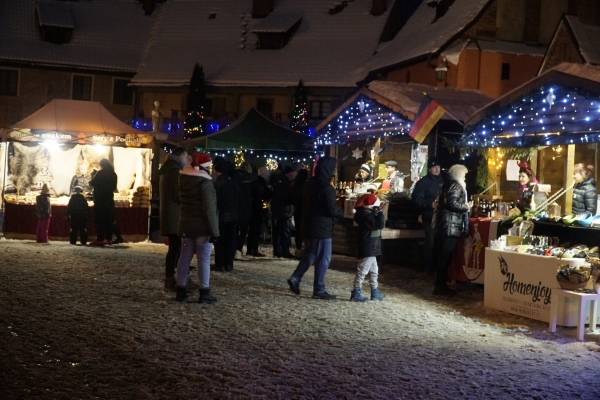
<point>78,212</point>
<point>227,205</point>
<point>105,184</point>
<point>450,223</point>
<point>169,209</point>
<point>424,196</point>
<point>319,209</point>
<point>244,177</point>
<point>261,192</point>
<point>282,208</point>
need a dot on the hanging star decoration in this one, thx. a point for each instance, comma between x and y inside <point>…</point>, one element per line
<point>376,149</point>
<point>357,153</point>
<point>361,106</point>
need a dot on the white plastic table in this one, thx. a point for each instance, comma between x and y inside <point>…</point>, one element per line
<point>582,298</point>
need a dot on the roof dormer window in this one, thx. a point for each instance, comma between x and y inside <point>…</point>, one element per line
<point>275,31</point>
<point>55,21</point>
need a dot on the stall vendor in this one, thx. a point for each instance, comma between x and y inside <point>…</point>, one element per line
<point>527,183</point>
<point>365,173</point>
<point>585,195</point>
<point>395,179</point>
<point>80,179</point>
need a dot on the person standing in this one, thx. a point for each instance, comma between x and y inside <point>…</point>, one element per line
<point>198,225</point>
<point>169,209</point>
<point>78,212</point>
<point>527,183</point>
<point>370,220</point>
<point>424,197</point>
<point>43,212</point>
<point>227,191</point>
<point>394,180</point>
<point>282,207</point>
<point>244,178</point>
<point>297,193</point>
<point>104,183</point>
<point>450,223</point>
<point>319,210</point>
<point>261,192</point>
<point>585,195</point>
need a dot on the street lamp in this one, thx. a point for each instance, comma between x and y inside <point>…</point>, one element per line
<point>441,71</point>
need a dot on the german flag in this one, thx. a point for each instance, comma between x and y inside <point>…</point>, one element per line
<point>428,115</point>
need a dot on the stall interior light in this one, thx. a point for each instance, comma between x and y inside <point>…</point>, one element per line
<point>50,144</point>
<point>99,149</point>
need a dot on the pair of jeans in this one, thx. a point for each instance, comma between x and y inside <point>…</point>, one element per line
<point>225,246</point>
<point>282,232</point>
<point>317,252</point>
<point>445,246</point>
<point>78,229</point>
<point>243,229</point>
<point>202,247</point>
<point>172,255</point>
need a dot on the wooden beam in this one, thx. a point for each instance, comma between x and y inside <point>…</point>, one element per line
<point>569,163</point>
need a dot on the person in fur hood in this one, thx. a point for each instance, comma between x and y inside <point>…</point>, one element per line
<point>198,225</point>
<point>370,221</point>
<point>450,222</point>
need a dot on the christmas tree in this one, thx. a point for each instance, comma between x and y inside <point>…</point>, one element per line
<point>196,100</point>
<point>300,112</point>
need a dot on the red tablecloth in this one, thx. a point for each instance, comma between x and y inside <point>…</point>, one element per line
<point>469,260</point>
<point>20,219</point>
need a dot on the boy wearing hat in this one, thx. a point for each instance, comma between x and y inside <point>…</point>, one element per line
<point>371,221</point>
<point>43,211</point>
<point>424,197</point>
<point>77,212</point>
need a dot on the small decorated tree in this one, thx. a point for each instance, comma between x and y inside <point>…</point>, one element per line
<point>299,121</point>
<point>196,101</point>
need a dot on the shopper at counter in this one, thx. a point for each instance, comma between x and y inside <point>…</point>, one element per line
<point>585,194</point>
<point>282,207</point>
<point>104,183</point>
<point>43,212</point>
<point>450,223</point>
<point>425,196</point>
<point>77,212</point>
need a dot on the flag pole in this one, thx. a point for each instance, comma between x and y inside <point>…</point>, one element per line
<point>447,112</point>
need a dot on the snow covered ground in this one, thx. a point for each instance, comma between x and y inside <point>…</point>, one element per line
<point>82,322</point>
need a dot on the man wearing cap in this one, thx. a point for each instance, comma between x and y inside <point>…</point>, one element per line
<point>394,180</point>
<point>424,197</point>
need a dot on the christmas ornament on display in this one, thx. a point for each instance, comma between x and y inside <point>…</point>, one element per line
<point>357,153</point>
<point>239,158</point>
<point>361,105</point>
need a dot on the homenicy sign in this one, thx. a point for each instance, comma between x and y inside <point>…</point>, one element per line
<point>522,284</point>
<point>127,140</point>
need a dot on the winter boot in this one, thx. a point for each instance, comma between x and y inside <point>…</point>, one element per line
<point>170,284</point>
<point>357,297</point>
<point>205,297</point>
<point>181,294</point>
<point>376,295</point>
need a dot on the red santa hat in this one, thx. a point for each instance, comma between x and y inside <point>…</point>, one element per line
<point>202,159</point>
<point>368,200</point>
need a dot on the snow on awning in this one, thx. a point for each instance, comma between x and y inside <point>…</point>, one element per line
<point>55,13</point>
<point>278,22</point>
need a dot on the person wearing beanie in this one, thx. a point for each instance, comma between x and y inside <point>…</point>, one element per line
<point>365,173</point>
<point>319,210</point>
<point>228,192</point>
<point>450,223</point>
<point>43,212</point>
<point>424,197</point>
<point>282,209</point>
<point>370,220</point>
<point>104,183</point>
<point>78,212</point>
<point>198,225</point>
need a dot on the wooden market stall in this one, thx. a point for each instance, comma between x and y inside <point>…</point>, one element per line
<point>372,126</point>
<point>59,145</point>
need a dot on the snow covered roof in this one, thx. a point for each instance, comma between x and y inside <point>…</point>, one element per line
<point>107,34</point>
<point>325,50</point>
<point>278,22</point>
<point>421,36</point>
<point>499,46</point>
<point>53,13</point>
<point>587,38</point>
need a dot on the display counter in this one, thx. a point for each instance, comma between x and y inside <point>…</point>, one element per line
<point>20,222</point>
<point>522,284</point>
<point>468,264</point>
<point>568,233</point>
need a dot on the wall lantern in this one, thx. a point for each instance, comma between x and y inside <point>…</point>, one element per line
<point>441,71</point>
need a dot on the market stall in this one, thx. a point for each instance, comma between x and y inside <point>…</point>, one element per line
<point>60,145</point>
<point>369,135</point>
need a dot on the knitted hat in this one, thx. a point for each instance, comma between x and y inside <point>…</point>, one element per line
<point>368,200</point>
<point>366,169</point>
<point>432,162</point>
<point>202,159</point>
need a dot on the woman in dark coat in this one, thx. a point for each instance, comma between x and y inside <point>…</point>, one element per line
<point>297,193</point>
<point>105,184</point>
<point>450,223</point>
<point>228,205</point>
<point>585,195</point>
